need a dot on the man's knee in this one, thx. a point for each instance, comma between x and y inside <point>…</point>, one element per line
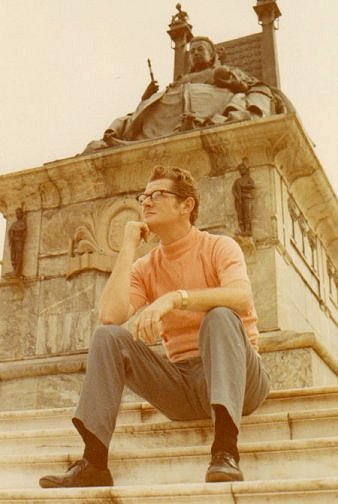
<point>221,314</point>
<point>221,322</point>
<point>109,335</point>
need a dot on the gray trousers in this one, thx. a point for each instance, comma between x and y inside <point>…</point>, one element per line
<point>229,372</point>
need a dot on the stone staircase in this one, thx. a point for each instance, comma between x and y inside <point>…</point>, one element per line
<point>289,454</point>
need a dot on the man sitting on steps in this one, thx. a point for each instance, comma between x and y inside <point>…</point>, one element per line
<point>195,294</point>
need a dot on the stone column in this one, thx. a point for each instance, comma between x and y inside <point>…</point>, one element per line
<point>180,33</point>
<point>268,12</point>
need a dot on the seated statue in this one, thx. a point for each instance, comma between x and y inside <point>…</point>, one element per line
<point>210,94</point>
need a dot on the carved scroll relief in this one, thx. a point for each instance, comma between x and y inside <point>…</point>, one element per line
<point>97,239</point>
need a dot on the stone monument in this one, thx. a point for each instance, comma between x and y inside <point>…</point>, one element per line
<point>76,208</point>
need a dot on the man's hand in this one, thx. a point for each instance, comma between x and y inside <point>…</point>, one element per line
<point>114,305</point>
<point>134,232</point>
<point>148,324</point>
<point>224,78</point>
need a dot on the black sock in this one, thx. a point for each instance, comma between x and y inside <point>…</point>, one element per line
<point>226,433</point>
<point>95,451</point>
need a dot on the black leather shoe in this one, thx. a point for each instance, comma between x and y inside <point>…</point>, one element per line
<point>81,474</point>
<point>223,467</point>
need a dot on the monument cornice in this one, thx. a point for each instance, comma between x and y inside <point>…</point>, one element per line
<point>278,140</point>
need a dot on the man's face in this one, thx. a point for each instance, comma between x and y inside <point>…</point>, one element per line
<point>163,211</point>
<point>200,55</point>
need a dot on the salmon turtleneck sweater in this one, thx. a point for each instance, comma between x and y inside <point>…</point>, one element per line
<point>199,260</point>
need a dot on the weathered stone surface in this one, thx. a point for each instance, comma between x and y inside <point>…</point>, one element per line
<point>264,208</point>
<point>41,392</point>
<point>19,394</point>
<point>19,310</point>
<point>59,390</point>
<point>297,368</point>
<point>53,265</point>
<point>262,272</point>
<point>212,204</point>
<point>299,307</point>
<point>289,369</point>
<point>67,314</point>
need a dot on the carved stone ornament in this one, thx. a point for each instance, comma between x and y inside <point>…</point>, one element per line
<point>333,276</point>
<point>303,224</point>
<point>293,209</point>
<point>219,153</point>
<point>312,239</point>
<point>330,269</point>
<point>97,240</point>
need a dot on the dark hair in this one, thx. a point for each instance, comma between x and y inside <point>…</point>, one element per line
<point>183,184</point>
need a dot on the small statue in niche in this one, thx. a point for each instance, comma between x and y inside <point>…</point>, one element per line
<point>243,189</point>
<point>17,238</point>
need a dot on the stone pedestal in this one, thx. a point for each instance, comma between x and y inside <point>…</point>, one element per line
<point>76,210</point>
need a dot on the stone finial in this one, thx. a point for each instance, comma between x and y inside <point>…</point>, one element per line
<point>180,16</point>
<point>267,11</point>
<point>181,34</point>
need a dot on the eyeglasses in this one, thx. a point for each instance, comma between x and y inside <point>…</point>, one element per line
<point>154,196</point>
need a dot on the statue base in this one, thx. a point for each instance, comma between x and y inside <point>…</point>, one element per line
<point>76,210</point>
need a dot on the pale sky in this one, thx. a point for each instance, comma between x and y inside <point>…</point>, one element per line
<point>69,67</point>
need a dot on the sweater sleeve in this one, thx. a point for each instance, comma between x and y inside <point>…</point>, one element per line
<point>138,292</point>
<point>228,261</point>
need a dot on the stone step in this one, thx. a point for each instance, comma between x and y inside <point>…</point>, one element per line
<point>295,459</point>
<point>311,491</point>
<point>255,428</point>
<point>131,412</point>
<point>140,411</point>
<point>300,399</point>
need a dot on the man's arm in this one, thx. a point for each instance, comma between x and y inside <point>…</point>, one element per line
<point>114,305</point>
<point>235,295</point>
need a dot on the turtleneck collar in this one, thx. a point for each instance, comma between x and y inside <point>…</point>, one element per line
<point>180,246</point>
